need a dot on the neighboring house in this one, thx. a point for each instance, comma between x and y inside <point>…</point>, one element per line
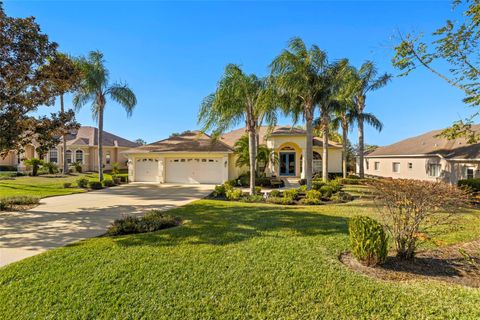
<point>194,157</point>
<point>82,147</point>
<point>426,157</point>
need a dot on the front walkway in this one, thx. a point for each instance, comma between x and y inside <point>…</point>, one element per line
<point>58,221</point>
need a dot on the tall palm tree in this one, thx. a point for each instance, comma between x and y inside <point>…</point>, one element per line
<point>96,88</point>
<point>265,155</point>
<point>238,98</point>
<point>300,75</point>
<point>365,81</point>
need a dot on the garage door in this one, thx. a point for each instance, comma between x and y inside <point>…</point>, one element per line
<point>194,170</point>
<point>146,170</point>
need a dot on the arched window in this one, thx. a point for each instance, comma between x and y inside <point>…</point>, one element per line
<point>79,156</point>
<point>69,156</point>
<point>53,155</point>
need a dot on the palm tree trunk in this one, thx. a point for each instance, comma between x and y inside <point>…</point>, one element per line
<point>361,146</point>
<point>252,150</point>
<point>309,149</point>
<point>344,153</point>
<point>325,146</point>
<point>65,164</point>
<point>100,143</point>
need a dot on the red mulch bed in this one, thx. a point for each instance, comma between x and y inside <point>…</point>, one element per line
<point>446,264</point>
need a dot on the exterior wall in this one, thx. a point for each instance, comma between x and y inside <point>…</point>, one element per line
<point>233,170</point>
<point>9,160</point>
<point>418,171</point>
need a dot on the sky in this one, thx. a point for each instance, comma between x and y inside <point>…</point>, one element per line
<point>173,53</point>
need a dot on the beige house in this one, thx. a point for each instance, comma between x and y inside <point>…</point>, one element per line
<point>426,157</point>
<point>194,157</point>
<point>82,147</point>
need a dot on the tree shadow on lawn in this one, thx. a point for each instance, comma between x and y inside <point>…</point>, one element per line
<point>217,224</point>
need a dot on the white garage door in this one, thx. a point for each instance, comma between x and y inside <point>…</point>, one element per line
<point>146,170</point>
<point>194,170</point>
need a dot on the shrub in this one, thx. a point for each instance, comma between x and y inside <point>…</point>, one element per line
<point>310,202</point>
<point>67,185</point>
<point>152,221</point>
<point>230,184</point>
<point>258,190</point>
<point>313,195</point>
<point>275,193</point>
<point>108,183</point>
<point>7,168</point>
<point>291,194</point>
<point>82,182</point>
<point>302,182</point>
<point>263,182</point>
<point>219,191</point>
<point>335,185</point>
<point>115,168</point>
<point>282,200</point>
<point>342,197</point>
<point>51,167</point>
<point>472,184</point>
<point>123,177</point>
<point>233,194</point>
<point>302,188</point>
<point>116,180</point>
<point>317,184</point>
<point>244,179</point>
<point>368,240</point>
<point>327,191</point>
<point>95,185</point>
<point>77,166</point>
<point>10,203</point>
<point>410,205</point>
<point>252,198</point>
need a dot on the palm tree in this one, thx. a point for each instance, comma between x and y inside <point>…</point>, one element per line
<point>239,98</point>
<point>95,88</point>
<point>300,80</point>
<point>265,155</point>
<point>365,80</point>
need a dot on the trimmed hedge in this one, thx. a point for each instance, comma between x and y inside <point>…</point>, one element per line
<point>95,185</point>
<point>472,184</point>
<point>368,240</point>
<point>10,203</point>
<point>82,182</point>
<point>152,221</point>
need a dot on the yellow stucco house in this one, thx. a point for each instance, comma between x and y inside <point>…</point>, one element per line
<point>194,157</point>
<point>82,147</point>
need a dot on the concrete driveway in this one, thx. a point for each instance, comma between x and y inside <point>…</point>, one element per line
<point>58,221</point>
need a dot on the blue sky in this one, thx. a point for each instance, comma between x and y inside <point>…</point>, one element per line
<point>173,53</point>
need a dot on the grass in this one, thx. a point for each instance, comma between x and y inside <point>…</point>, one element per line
<point>228,261</point>
<point>43,186</point>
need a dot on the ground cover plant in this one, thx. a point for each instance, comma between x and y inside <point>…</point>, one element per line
<point>231,260</point>
<point>152,221</point>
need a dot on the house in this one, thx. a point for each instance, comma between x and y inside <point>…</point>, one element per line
<point>194,157</point>
<point>426,157</point>
<point>82,147</point>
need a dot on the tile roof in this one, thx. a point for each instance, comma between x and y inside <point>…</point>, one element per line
<point>231,137</point>
<point>429,144</point>
<point>191,141</point>
<point>88,136</point>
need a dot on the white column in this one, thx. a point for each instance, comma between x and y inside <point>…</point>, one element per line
<point>302,174</point>
<point>161,169</point>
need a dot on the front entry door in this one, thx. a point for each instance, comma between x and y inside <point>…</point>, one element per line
<point>287,163</point>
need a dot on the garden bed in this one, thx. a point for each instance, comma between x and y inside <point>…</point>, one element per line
<point>459,264</point>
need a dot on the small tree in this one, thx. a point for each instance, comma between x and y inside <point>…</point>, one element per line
<point>35,163</point>
<point>410,206</point>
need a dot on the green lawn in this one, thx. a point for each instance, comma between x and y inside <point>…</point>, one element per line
<point>229,261</point>
<point>42,186</point>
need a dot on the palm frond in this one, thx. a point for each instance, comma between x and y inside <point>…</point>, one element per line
<point>123,95</point>
<point>373,121</point>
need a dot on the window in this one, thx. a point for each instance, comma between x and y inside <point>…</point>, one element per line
<point>79,156</point>
<point>69,156</point>
<point>53,155</point>
<point>434,169</point>
<point>469,173</point>
<point>410,165</point>
<point>107,158</point>
<point>376,165</point>
<point>396,167</point>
